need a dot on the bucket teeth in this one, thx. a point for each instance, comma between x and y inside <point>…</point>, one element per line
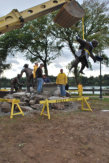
<point>69,14</point>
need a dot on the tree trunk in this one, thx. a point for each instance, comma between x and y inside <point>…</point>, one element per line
<point>76,75</point>
<point>45,69</point>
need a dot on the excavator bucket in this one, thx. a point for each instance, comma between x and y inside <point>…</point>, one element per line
<point>69,14</point>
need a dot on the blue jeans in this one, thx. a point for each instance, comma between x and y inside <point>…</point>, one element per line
<point>39,84</point>
<point>62,90</point>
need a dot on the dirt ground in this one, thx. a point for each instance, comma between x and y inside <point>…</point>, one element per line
<point>69,137</point>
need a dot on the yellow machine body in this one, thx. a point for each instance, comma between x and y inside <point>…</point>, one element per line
<point>68,15</point>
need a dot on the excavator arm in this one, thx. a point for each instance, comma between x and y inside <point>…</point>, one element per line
<point>68,15</point>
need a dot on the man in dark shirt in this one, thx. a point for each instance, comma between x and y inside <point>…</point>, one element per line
<point>39,75</point>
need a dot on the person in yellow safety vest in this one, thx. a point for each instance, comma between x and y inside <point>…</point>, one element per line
<point>34,70</point>
<point>80,89</point>
<point>61,80</point>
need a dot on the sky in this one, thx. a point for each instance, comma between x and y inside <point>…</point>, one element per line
<point>61,62</point>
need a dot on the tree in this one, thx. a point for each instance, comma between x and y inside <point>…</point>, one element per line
<point>35,41</point>
<point>96,22</point>
<point>97,27</point>
<point>3,55</point>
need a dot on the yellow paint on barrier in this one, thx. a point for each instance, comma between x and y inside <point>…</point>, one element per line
<point>14,102</point>
<point>5,90</point>
<point>47,102</point>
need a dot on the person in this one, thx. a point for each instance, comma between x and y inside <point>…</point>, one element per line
<point>80,89</point>
<point>34,70</point>
<point>46,79</point>
<point>29,76</point>
<point>85,50</point>
<point>61,80</point>
<point>67,87</point>
<point>34,74</point>
<point>39,74</point>
<point>15,83</point>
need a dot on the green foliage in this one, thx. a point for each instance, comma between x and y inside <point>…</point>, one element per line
<point>42,40</point>
<point>91,81</point>
<point>96,26</point>
<point>35,41</point>
<point>96,22</point>
<point>5,83</point>
<point>3,55</point>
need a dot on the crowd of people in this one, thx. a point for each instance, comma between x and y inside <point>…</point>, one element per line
<point>36,79</point>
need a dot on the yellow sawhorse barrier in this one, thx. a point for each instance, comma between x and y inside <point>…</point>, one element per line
<point>47,102</point>
<point>5,90</point>
<point>14,102</point>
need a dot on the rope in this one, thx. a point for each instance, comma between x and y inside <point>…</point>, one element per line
<point>83,38</point>
<point>83,27</point>
<point>83,33</point>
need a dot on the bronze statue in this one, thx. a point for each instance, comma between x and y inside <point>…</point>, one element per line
<point>29,76</point>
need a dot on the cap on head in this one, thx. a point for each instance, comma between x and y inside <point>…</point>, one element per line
<point>25,65</point>
<point>94,43</point>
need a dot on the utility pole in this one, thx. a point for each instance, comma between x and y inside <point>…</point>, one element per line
<point>100,80</point>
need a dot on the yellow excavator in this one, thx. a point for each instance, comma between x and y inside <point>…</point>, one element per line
<point>69,14</point>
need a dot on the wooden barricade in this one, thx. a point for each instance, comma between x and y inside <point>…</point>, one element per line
<point>47,102</point>
<point>14,102</point>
